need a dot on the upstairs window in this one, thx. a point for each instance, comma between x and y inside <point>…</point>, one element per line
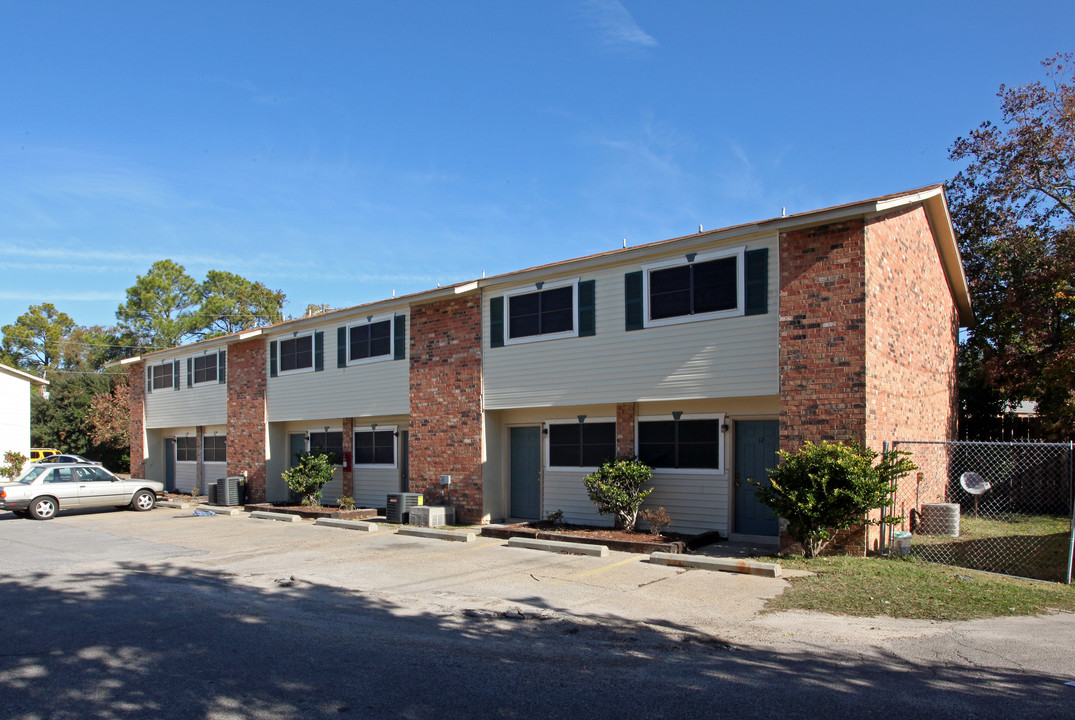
<point>163,376</point>
<point>545,312</point>
<point>581,445</point>
<point>704,287</point>
<point>205,368</point>
<point>186,449</point>
<point>375,446</point>
<point>330,443</point>
<point>727,283</point>
<point>371,340</point>
<point>685,444</point>
<point>297,353</point>
<point>215,448</point>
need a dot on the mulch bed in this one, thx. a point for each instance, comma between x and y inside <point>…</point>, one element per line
<point>325,511</point>
<point>619,540</point>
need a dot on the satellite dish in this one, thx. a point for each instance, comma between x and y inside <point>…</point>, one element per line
<point>974,483</point>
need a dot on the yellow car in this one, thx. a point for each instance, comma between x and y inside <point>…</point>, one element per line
<point>38,454</point>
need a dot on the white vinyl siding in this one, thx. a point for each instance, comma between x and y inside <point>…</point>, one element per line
<point>359,390</point>
<point>15,418</point>
<point>214,471</point>
<point>372,485</point>
<point>186,476</point>
<point>720,357</point>
<point>696,502</point>
<point>333,490</point>
<point>202,405</point>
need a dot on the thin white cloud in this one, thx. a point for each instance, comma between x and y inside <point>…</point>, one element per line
<point>37,296</point>
<point>616,26</point>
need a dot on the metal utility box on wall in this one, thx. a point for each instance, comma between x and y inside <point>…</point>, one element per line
<point>398,506</point>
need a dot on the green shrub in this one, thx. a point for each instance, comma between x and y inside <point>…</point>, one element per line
<point>616,489</point>
<point>12,468</point>
<point>307,478</point>
<point>829,487</point>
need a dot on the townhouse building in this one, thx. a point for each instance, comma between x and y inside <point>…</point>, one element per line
<point>703,355</point>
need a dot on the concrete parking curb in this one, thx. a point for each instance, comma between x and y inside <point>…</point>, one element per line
<point>722,564</point>
<point>278,517</point>
<point>558,546</point>
<point>437,534</point>
<point>175,504</point>
<point>222,510</point>
<point>347,524</point>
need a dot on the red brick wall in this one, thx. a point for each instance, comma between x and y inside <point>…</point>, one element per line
<point>446,403</point>
<point>136,377</point>
<point>912,329</point>
<point>349,458</point>
<point>912,337</point>
<point>868,337</point>
<point>625,429</point>
<point>823,334</point>
<point>247,378</point>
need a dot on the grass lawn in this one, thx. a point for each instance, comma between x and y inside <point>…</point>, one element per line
<point>909,588</point>
<point>1033,546</point>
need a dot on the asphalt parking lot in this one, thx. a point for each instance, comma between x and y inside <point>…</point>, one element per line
<point>167,615</point>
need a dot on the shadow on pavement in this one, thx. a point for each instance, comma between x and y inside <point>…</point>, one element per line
<point>141,642</point>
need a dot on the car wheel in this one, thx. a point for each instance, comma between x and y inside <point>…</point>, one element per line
<point>143,500</point>
<point>43,508</point>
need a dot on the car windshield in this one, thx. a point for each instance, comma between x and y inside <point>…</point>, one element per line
<point>32,474</point>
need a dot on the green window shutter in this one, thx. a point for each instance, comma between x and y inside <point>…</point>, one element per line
<point>757,281</point>
<point>190,372</point>
<point>496,321</point>
<point>633,302</point>
<point>341,347</point>
<point>149,379</point>
<point>175,374</point>
<point>272,359</point>
<point>319,351</point>
<point>587,309</point>
<point>222,366</point>
<point>399,338</point>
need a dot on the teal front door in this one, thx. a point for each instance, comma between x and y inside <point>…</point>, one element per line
<point>525,480</point>
<point>756,443</point>
<point>169,464</point>
<point>296,446</point>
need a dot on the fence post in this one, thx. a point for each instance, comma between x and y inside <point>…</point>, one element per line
<point>882,540</point>
<point>1071,502</point>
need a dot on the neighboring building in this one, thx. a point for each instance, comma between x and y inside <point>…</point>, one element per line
<point>15,388</point>
<point>702,354</point>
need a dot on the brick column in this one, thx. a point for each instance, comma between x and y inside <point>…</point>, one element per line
<point>246,414</point>
<point>823,334</point>
<point>446,403</point>
<point>348,453</point>
<point>625,429</point>
<point>136,378</point>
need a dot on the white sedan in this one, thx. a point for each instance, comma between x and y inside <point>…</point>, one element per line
<point>43,490</point>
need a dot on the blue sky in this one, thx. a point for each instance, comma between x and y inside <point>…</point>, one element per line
<point>340,151</point>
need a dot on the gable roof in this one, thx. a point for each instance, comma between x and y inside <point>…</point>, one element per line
<point>14,372</point>
<point>931,198</point>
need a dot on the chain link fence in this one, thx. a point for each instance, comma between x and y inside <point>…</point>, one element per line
<point>999,507</point>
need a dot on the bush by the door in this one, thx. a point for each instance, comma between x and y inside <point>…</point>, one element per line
<point>616,489</point>
<point>826,487</point>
